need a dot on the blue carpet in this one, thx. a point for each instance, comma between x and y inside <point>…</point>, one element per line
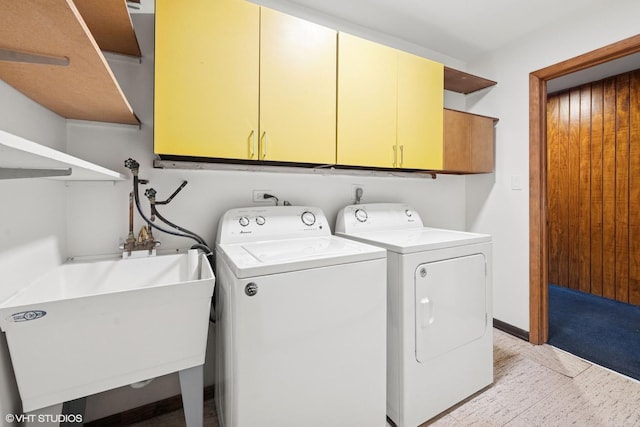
<point>597,329</point>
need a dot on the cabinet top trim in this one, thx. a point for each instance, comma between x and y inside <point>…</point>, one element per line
<point>495,119</point>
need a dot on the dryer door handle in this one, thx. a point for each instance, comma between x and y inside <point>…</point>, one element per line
<point>426,308</point>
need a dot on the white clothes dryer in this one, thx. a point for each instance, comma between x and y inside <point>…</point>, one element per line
<point>300,322</point>
<point>439,300</point>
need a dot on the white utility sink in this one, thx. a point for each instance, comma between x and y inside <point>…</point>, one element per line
<point>92,325</point>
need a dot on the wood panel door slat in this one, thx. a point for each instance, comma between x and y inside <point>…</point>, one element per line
<point>609,191</point>
<point>597,226</point>
<point>563,189</point>
<point>634,189</point>
<point>584,197</point>
<point>553,114</point>
<point>573,190</point>
<point>622,189</point>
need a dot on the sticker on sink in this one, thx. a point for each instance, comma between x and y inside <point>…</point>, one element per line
<point>23,316</point>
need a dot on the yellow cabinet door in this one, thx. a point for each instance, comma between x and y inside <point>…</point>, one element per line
<point>420,117</point>
<point>297,90</point>
<point>206,78</point>
<point>367,79</point>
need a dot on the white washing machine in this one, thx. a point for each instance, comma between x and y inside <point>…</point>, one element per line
<point>300,329</point>
<point>439,323</point>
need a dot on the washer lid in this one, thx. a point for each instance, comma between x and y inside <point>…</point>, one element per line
<point>418,240</point>
<point>280,256</point>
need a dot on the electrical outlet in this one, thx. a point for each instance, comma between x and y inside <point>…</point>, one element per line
<point>354,191</point>
<point>258,196</point>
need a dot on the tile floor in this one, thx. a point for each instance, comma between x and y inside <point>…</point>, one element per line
<point>534,386</point>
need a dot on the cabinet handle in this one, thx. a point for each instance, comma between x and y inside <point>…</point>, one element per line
<point>401,155</point>
<point>252,144</point>
<point>265,142</point>
<point>395,156</point>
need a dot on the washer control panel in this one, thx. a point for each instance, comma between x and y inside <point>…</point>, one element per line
<point>361,215</point>
<point>377,216</point>
<point>264,223</point>
<point>308,218</point>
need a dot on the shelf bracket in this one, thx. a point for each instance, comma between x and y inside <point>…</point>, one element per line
<point>32,58</point>
<point>16,173</point>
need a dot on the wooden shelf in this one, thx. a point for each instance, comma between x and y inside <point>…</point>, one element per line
<point>21,158</point>
<point>461,82</point>
<point>86,89</point>
<point>110,24</point>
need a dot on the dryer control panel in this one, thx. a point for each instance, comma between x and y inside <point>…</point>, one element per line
<point>271,222</point>
<point>377,216</point>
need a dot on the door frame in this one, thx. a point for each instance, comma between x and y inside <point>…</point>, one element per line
<point>538,233</point>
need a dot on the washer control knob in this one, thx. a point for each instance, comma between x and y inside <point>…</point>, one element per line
<point>308,218</point>
<point>408,213</point>
<point>361,215</point>
<point>244,221</point>
<point>260,220</point>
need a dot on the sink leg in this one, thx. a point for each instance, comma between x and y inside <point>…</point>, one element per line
<point>74,407</point>
<point>192,388</point>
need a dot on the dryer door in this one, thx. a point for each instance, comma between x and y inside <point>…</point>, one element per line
<point>450,304</point>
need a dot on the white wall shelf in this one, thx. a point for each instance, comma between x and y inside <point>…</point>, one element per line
<point>21,158</point>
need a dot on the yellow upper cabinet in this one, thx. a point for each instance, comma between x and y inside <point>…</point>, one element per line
<point>420,117</point>
<point>206,78</point>
<point>297,90</point>
<point>237,81</point>
<point>389,107</point>
<point>367,75</point>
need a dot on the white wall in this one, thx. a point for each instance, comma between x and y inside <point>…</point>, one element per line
<point>492,206</point>
<point>32,219</point>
